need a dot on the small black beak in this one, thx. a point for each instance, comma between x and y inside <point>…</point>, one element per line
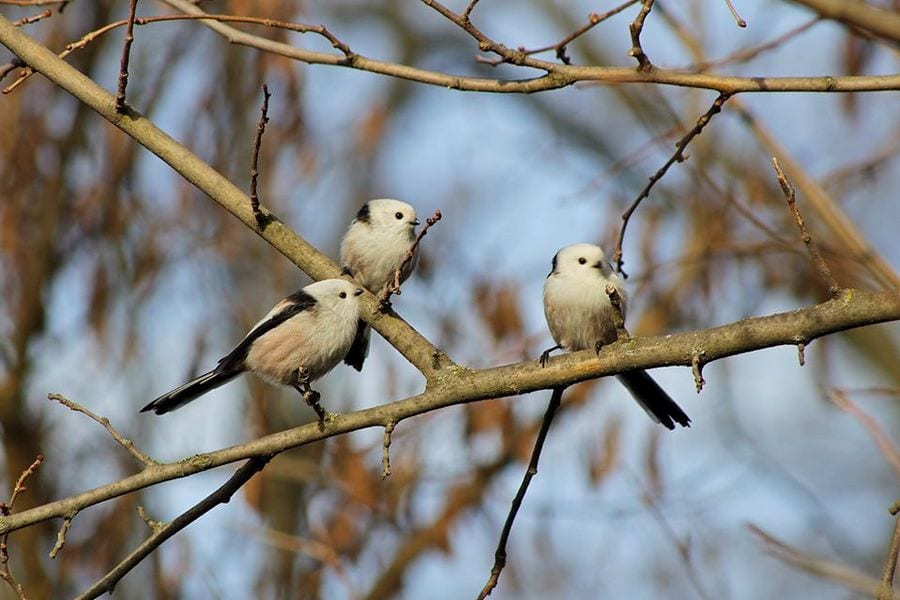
<point>415,222</point>
<point>358,292</point>
<point>599,265</point>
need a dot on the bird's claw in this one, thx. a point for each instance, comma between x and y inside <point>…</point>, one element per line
<point>598,346</point>
<point>545,356</point>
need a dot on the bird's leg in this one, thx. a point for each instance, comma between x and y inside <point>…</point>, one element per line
<point>311,397</point>
<point>598,346</point>
<point>345,270</point>
<point>545,355</point>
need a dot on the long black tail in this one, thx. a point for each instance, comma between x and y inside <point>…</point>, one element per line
<point>654,399</point>
<point>358,352</point>
<point>191,390</point>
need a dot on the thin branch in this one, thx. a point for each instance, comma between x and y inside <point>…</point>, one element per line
<point>842,231</point>
<point>5,511</point>
<point>822,568</point>
<point>635,29</point>
<point>254,163</point>
<point>884,23</point>
<point>530,472</point>
<point>678,156</point>
<point>748,54</point>
<point>220,496</point>
<point>91,36</point>
<point>126,54</point>
<point>824,272</point>
<point>737,18</point>
<point>890,565</point>
<point>560,47</point>
<point>118,437</point>
<point>384,300</point>
<point>61,537</point>
<point>882,440</point>
<point>33,18</point>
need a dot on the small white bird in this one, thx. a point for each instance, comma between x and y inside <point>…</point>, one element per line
<point>302,338</point>
<point>375,246</point>
<point>581,316</point>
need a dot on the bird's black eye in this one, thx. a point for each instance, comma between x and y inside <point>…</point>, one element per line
<point>399,215</point>
<point>582,260</point>
<point>343,294</point>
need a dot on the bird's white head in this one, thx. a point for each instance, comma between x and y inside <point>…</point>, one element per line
<point>336,294</point>
<point>581,259</point>
<point>386,214</point>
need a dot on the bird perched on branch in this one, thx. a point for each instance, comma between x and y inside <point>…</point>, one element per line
<point>581,316</point>
<point>302,338</point>
<point>376,252</point>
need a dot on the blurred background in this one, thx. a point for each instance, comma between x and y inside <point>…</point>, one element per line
<point>120,281</point>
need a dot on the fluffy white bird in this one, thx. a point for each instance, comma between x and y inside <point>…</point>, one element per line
<point>581,316</point>
<point>302,338</point>
<point>375,246</point>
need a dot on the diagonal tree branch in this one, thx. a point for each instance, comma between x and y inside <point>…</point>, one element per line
<point>883,23</point>
<point>421,353</point>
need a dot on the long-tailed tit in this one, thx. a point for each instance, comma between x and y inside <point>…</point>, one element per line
<point>302,338</point>
<point>374,247</point>
<point>581,316</point>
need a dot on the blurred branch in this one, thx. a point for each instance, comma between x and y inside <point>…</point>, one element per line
<point>556,75</point>
<point>838,573</point>
<point>845,234</point>
<point>882,440</point>
<point>163,532</point>
<point>530,472</point>
<point>458,385</point>
<point>883,23</point>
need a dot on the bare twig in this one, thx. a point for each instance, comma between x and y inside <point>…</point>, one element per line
<point>636,27</point>
<point>118,437</point>
<point>833,288</point>
<point>881,439</point>
<point>748,54</point>
<point>467,13</point>
<point>825,569</point>
<point>678,156</point>
<point>682,546</point>
<point>384,299</point>
<point>737,18</point>
<point>126,54</point>
<point>5,511</point>
<point>801,353</point>
<point>271,23</point>
<point>500,554</point>
<point>560,47</point>
<point>220,496</point>
<point>254,163</point>
<point>61,536</point>
<point>386,449</point>
<point>890,565</point>
<point>33,18</point>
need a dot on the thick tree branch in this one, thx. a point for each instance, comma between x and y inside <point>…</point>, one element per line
<point>421,353</point>
<point>458,385</point>
<point>883,23</point>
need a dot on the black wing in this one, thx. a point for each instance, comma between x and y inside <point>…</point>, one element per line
<point>293,305</point>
